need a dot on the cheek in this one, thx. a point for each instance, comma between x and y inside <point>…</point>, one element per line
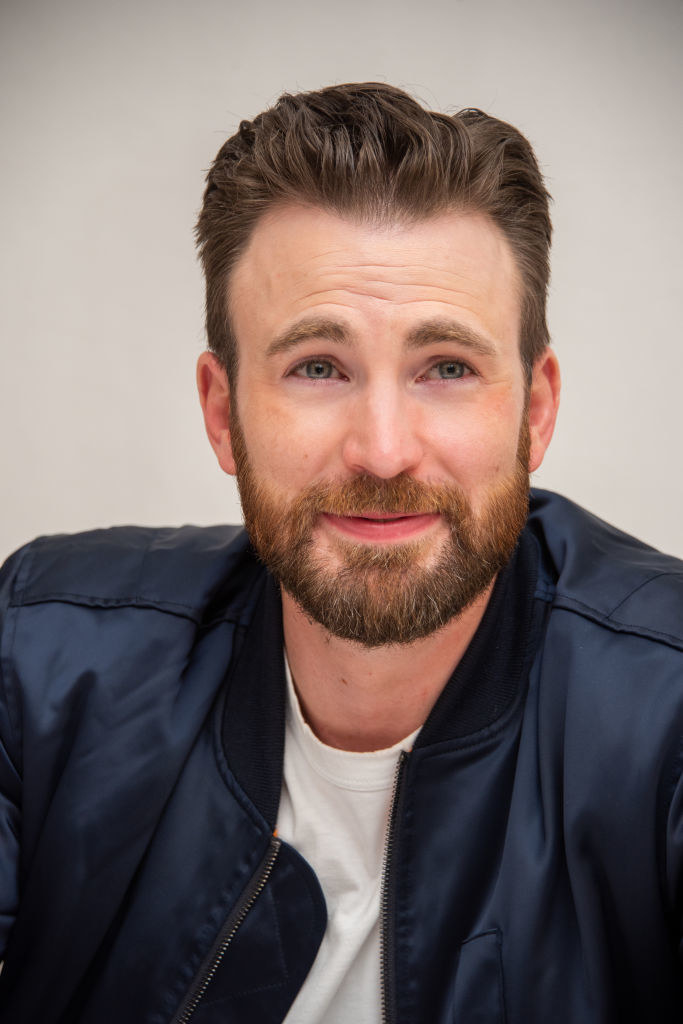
<point>288,446</point>
<point>481,449</point>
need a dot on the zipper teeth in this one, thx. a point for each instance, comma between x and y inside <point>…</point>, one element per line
<point>227,939</point>
<point>386,978</point>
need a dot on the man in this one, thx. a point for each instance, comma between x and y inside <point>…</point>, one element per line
<point>416,755</point>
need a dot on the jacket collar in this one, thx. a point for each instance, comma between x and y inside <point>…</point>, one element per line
<point>493,670</point>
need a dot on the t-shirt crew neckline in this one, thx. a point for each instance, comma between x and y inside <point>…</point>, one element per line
<point>364,771</point>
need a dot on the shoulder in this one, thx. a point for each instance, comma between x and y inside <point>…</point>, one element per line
<point>606,576</point>
<point>108,633</point>
<point>610,667</point>
<point>186,570</point>
<point>610,681</point>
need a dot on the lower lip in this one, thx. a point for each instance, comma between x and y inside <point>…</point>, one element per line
<point>399,528</point>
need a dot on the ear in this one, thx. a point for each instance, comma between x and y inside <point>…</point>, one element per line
<point>214,397</point>
<point>544,399</point>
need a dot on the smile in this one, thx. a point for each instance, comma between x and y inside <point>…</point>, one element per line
<point>382,527</point>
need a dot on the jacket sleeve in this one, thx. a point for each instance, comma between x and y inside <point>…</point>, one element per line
<point>10,757</point>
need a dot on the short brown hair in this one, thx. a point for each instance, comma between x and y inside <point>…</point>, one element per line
<point>371,151</point>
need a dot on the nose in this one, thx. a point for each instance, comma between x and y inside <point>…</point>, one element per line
<point>382,437</point>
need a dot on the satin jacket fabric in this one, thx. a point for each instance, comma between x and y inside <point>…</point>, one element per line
<point>535,867</point>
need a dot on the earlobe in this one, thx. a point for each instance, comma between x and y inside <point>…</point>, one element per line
<point>214,397</point>
<point>544,400</point>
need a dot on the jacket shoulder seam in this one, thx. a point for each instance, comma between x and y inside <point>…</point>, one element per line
<point>573,604</point>
<point>92,600</point>
<point>194,613</point>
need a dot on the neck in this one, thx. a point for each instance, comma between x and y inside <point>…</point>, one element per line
<point>358,698</point>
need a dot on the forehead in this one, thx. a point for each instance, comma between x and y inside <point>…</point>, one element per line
<point>303,260</point>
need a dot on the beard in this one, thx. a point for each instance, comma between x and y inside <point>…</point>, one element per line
<point>389,593</point>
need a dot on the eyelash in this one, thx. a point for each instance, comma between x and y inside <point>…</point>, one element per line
<point>321,360</point>
<point>310,362</point>
<point>467,370</point>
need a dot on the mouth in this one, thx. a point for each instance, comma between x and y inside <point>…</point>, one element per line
<point>383,527</point>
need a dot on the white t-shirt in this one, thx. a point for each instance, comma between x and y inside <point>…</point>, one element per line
<point>334,809</point>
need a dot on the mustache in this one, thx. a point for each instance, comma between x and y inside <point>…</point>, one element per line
<point>364,494</point>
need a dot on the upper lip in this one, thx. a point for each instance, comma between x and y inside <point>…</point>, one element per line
<point>380,516</point>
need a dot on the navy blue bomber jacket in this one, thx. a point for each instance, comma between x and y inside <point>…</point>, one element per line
<point>536,839</point>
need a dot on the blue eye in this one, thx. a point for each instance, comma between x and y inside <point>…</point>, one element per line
<point>316,369</point>
<point>450,369</point>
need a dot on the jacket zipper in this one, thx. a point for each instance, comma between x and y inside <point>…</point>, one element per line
<point>227,934</point>
<point>387,962</point>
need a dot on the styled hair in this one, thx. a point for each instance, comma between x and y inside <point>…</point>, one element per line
<point>371,152</point>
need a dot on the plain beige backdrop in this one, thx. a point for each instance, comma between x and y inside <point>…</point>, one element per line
<point>110,115</point>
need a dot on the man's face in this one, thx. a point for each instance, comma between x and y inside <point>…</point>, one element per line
<point>379,424</point>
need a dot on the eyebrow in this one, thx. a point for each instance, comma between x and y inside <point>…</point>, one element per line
<point>429,333</point>
<point>307,329</point>
<point>435,331</point>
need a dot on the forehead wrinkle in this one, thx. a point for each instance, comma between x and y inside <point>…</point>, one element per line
<point>372,290</point>
<point>435,284</point>
<point>401,266</point>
